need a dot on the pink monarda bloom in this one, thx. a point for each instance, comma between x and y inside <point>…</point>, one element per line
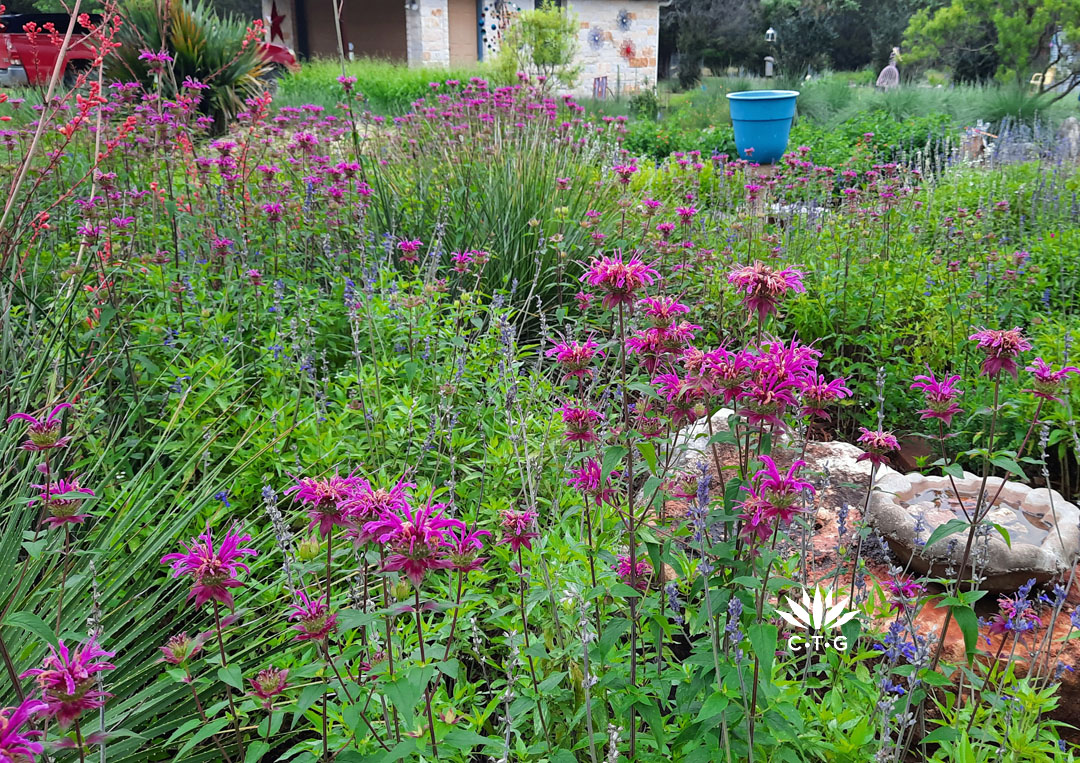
<point>879,445</point>
<point>580,423</point>
<point>685,398</point>
<point>1045,381</point>
<point>1016,615</point>
<point>755,522</point>
<point>940,396</point>
<point>765,399</point>
<point>781,491</point>
<point>60,500</point>
<point>619,279</point>
<point>16,745</point>
<point>268,684</point>
<point>1001,347</point>
<point>905,593</point>
<point>255,277</point>
<point>725,373</point>
<point>314,619</point>
<point>415,539</point>
<point>818,394</point>
<point>325,498</point>
<point>463,547</point>
<point>762,287</point>
<point>519,529</point>
<point>589,480</point>
<point>686,214</point>
<point>662,312</point>
<point>368,503</point>
<point>575,358</point>
<point>409,250</point>
<point>213,570</point>
<point>181,648</point>
<point>683,485</point>
<point>625,171</point>
<point>67,680</point>
<point>43,434</point>
<point>637,577</point>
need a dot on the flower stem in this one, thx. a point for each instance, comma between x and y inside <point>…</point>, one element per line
<point>79,741</point>
<point>532,664</point>
<point>423,658</point>
<point>975,520</point>
<point>63,576</point>
<point>228,689</point>
<point>204,719</point>
<point>457,609</point>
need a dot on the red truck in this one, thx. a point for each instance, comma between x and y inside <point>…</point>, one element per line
<point>29,59</point>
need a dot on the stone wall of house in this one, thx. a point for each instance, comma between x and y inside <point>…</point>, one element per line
<point>427,31</point>
<point>618,40</point>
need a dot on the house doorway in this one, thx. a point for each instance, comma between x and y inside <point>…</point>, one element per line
<point>464,31</point>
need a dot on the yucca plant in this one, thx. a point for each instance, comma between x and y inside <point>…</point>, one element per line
<point>220,52</point>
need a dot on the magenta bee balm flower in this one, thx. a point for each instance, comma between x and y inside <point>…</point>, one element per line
<point>59,499</point>
<point>181,648</point>
<point>268,684</point>
<point>1045,381</point>
<point>415,539</point>
<point>878,443</point>
<point>213,570</point>
<point>1001,347</point>
<point>43,434</point>
<point>314,619</point>
<point>326,499</point>
<point>762,287</point>
<point>575,358</point>
<point>67,680</point>
<point>17,745</point>
<point>940,396</point>
<point>463,548</point>
<point>637,576</point>
<point>817,394</point>
<point>368,503</point>
<point>519,529</point>
<point>580,423</point>
<point>619,279</point>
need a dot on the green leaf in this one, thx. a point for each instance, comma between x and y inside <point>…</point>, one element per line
<point>612,456</point>
<point>204,733</point>
<point>648,452</point>
<point>969,625</point>
<point>941,734</point>
<point>947,529</point>
<point>954,470</point>
<point>1004,534</point>
<point>308,695</point>
<point>28,621</point>
<point>763,642</point>
<point>354,619</point>
<point>255,751</point>
<point>464,740</point>
<point>405,692</point>
<point>1006,463</point>
<point>713,706</point>
<point>231,676</point>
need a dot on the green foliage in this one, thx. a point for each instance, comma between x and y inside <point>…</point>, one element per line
<point>387,87</point>
<point>206,47</point>
<point>542,43</point>
<point>973,36</point>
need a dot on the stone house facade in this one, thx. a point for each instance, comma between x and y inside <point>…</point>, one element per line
<point>617,39</point>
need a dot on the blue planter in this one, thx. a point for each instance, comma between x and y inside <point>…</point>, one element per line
<point>762,122</point>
